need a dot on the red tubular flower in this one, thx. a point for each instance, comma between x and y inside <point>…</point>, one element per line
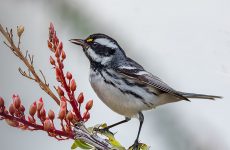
<point>62,113</point>
<point>86,115</point>
<point>58,72</point>
<point>89,105</point>
<point>60,91</point>
<point>22,109</point>
<point>31,119</point>
<point>80,98</point>
<point>12,109</point>
<point>52,61</point>
<point>12,123</point>
<point>1,102</point>
<point>51,29</point>
<point>60,47</point>
<point>50,45</point>
<point>42,114</point>
<point>16,101</point>
<point>68,75</point>
<point>69,116</point>
<point>47,125</point>
<point>40,104</point>
<point>33,109</point>
<point>51,115</point>
<point>73,85</point>
<point>63,103</point>
<point>63,55</point>
<point>57,53</point>
<point>61,65</point>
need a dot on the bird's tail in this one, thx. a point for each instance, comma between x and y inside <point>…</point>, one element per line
<point>201,96</point>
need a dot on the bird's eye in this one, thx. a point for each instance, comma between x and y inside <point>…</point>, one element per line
<point>94,45</point>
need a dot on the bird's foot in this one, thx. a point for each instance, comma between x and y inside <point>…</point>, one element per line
<point>135,146</point>
<point>103,130</point>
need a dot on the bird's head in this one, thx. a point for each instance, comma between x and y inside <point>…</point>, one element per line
<point>100,48</point>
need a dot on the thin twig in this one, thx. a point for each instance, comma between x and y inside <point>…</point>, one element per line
<point>29,63</point>
<point>44,78</point>
<point>23,73</point>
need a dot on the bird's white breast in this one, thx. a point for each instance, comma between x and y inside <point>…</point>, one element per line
<point>124,104</point>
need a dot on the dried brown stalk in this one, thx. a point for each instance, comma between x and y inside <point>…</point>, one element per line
<point>32,74</point>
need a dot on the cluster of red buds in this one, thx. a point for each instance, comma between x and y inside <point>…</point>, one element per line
<point>15,117</point>
<point>38,118</point>
<point>68,86</point>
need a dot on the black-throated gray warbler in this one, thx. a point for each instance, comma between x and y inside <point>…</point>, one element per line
<point>124,85</point>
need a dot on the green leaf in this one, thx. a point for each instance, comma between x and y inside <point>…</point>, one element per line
<point>80,144</point>
<point>112,140</point>
<point>141,146</point>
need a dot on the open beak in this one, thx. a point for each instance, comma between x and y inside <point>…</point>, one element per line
<point>79,42</point>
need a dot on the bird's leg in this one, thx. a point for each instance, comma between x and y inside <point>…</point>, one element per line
<point>136,143</point>
<point>113,125</point>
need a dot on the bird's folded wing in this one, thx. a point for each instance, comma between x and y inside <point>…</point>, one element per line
<point>147,78</point>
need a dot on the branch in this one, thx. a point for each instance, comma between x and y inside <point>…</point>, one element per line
<point>29,63</point>
<point>81,133</point>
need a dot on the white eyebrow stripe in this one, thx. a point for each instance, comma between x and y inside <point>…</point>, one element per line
<point>106,42</point>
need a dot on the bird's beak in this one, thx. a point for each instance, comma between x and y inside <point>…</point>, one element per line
<point>79,42</point>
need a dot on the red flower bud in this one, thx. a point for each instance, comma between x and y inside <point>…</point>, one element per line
<point>52,61</point>
<point>69,116</point>
<point>73,85</point>
<point>43,113</point>
<point>16,101</point>
<point>60,47</point>
<point>57,53</point>
<point>51,29</point>
<point>60,91</point>
<point>56,40</point>
<point>6,111</point>
<point>62,113</point>
<point>80,98</point>
<point>1,102</point>
<point>51,115</point>
<point>86,115</point>
<point>40,104</point>
<point>12,109</point>
<point>12,123</point>
<point>33,109</point>
<point>22,108</point>
<point>31,119</point>
<point>58,72</point>
<point>69,75</point>
<point>61,65</point>
<point>89,105</point>
<point>63,55</point>
<point>47,125</point>
<point>50,45</point>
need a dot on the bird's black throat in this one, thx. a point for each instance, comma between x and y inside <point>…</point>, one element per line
<point>96,66</point>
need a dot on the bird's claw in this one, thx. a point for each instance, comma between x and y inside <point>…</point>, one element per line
<point>135,146</point>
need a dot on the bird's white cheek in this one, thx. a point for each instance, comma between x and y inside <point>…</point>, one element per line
<point>95,57</point>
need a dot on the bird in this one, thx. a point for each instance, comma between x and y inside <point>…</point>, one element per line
<point>123,84</point>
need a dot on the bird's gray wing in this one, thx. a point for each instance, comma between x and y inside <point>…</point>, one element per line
<point>143,76</point>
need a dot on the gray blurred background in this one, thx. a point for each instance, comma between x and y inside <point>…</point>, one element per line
<point>186,43</point>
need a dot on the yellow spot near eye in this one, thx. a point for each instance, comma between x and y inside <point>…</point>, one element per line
<point>89,40</point>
